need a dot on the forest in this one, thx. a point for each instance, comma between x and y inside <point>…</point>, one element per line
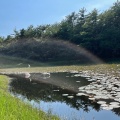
<point>95,31</point>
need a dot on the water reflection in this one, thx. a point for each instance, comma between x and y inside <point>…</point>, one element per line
<point>48,93</point>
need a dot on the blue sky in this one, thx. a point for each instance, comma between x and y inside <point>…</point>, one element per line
<point>22,13</point>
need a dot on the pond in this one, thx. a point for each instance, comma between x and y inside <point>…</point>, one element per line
<point>57,94</point>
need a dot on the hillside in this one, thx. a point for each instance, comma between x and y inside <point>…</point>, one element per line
<point>47,51</point>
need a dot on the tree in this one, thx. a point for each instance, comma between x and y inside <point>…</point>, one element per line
<point>9,37</point>
<point>22,33</point>
<point>2,39</point>
<point>16,33</point>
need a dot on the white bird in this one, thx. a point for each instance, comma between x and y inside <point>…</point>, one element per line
<point>29,65</point>
<point>27,75</point>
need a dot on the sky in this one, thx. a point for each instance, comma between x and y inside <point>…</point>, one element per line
<point>18,14</point>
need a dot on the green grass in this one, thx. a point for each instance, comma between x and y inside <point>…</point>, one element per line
<point>13,109</point>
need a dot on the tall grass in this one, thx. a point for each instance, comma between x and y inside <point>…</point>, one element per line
<point>13,109</point>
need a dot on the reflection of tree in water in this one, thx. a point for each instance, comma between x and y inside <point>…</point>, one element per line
<point>41,91</point>
<point>116,111</point>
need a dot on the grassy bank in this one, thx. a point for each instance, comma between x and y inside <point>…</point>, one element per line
<point>13,109</point>
<point>99,67</point>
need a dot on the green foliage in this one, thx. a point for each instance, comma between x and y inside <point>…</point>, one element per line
<point>95,31</point>
<point>1,39</point>
<point>45,50</point>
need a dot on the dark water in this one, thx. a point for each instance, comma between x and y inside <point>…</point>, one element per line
<point>49,97</point>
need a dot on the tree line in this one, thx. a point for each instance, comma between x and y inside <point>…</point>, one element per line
<point>98,32</point>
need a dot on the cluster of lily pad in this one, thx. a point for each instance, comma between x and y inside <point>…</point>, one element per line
<point>103,89</point>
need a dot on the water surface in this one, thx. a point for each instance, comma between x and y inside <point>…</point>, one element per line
<point>44,93</point>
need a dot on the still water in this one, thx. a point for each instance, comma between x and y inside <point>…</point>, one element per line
<point>47,93</point>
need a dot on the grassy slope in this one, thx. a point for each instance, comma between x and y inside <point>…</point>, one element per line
<point>13,109</point>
